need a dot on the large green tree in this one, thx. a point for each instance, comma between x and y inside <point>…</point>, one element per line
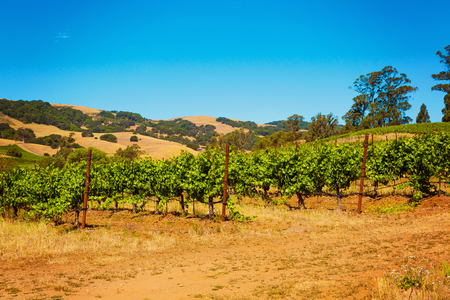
<point>444,87</point>
<point>382,100</point>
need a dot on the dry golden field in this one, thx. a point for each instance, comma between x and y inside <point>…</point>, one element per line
<point>318,253</point>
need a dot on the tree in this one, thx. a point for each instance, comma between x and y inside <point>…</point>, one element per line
<point>383,100</point>
<point>134,138</point>
<point>130,152</point>
<point>444,75</point>
<point>238,139</point>
<point>321,127</point>
<point>293,123</point>
<point>81,154</point>
<point>24,134</point>
<point>423,116</point>
<point>109,137</point>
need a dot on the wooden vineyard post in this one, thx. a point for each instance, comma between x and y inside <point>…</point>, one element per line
<point>225,182</point>
<point>86,189</point>
<point>376,182</point>
<point>363,173</point>
<point>3,189</point>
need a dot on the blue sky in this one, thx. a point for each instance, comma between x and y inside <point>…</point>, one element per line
<point>250,60</point>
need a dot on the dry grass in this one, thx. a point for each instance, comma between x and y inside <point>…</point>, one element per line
<point>290,254</point>
<point>155,148</point>
<point>87,110</point>
<point>416,280</point>
<point>25,240</point>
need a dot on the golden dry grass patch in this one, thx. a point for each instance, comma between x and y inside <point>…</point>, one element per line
<point>83,109</point>
<point>25,240</point>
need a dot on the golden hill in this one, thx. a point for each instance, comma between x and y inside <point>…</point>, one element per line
<point>155,148</point>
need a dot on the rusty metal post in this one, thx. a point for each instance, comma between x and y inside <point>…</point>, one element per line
<point>86,189</point>
<point>225,182</point>
<point>3,188</point>
<point>376,182</point>
<point>363,173</point>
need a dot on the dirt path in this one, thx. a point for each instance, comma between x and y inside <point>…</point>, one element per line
<point>319,255</point>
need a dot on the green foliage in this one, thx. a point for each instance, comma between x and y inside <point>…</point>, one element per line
<point>382,100</point>
<point>423,116</point>
<point>408,277</point>
<point>389,208</point>
<point>175,130</point>
<point>444,87</point>
<point>312,168</point>
<point>26,159</point>
<point>278,139</point>
<point>40,112</point>
<point>293,123</point>
<point>14,152</point>
<point>134,138</point>
<point>129,152</point>
<point>239,140</point>
<point>421,128</point>
<point>81,155</point>
<point>321,127</point>
<point>87,134</point>
<point>109,138</point>
<point>106,114</point>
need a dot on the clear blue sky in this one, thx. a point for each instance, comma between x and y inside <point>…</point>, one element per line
<point>250,60</point>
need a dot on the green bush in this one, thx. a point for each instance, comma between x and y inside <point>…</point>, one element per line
<point>87,134</point>
<point>109,138</point>
<point>14,152</point>
<point>133,138</point>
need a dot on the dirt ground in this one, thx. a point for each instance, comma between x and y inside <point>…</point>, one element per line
<point>318,253</point>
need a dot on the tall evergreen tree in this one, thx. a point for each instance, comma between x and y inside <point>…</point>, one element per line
<point>383,100</point>
<point>423,116</point>
<point>444,75</point>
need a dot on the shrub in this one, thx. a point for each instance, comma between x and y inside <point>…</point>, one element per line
<point>14,152</point>
<point>133,138</point>
<point>87,134</point>
<point>109,138</point>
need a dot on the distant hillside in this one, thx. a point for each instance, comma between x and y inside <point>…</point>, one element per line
<point>47,124</point>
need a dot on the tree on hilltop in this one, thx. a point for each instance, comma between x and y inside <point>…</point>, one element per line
<point>383,100</point>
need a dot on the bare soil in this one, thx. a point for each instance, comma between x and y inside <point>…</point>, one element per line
<point>318,253</point>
